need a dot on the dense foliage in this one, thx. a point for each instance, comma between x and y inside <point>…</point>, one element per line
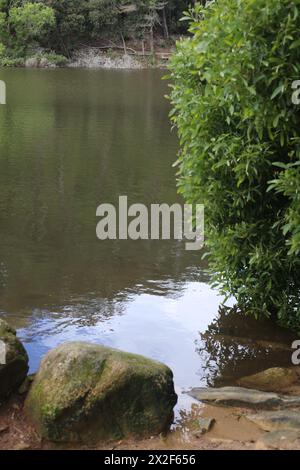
<point>239,130</point>
<point>62,25</point>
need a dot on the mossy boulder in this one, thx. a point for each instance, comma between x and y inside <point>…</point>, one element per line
<point>275,379</point>
<point>13,361</point>
<point>86,392</point>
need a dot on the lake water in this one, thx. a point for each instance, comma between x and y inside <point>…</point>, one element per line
<point>69,141</point>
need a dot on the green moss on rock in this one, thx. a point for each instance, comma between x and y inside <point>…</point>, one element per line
<point>14,370</point>
<point>86,392</point>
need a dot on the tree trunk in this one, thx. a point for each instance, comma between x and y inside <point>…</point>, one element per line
<point>152,40</point>
<point>124,44</point>
<point>166,29</point>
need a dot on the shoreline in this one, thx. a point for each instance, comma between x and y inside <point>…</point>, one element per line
<point>54,408</point>
<point>232,430</point>
<point>17,433</point>
<point>103,62</point>
<point>91,57</point>
<point>210,424</point>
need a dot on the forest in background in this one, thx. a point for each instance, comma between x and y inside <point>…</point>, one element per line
<point>57,27</point>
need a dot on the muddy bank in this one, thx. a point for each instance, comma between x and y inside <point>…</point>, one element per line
<point>229,432</point>
<point>219,421</point>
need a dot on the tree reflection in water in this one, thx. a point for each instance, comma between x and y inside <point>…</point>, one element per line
<point>235,345</point>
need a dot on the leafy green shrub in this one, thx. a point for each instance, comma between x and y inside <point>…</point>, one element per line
<point>2,50</point>
<point>52,58</point>
<point>30,22</point>
<point>56,59</point>
<point>11,62</point>
<point>240,147</point>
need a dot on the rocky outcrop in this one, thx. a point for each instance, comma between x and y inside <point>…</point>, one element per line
<point>13,361</point>
<point>96,59</point>
<point>272,380</point>
<point>39,62</point>
<point>238,396</point>
<point>287,420</point>
<point>86,392</point>
<point>283,440</point>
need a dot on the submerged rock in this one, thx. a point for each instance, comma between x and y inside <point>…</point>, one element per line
<point>284,439</point>
<point>204,425</point>
<point>238,396</point>
<point>89,392</point>
<point>13,360</point>
<point>288,420</point>
<point>274,379</point>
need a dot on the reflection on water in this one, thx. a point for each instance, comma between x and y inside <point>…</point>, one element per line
<point>69,141</point>
<point>163,327</point>
<point>234,345</point>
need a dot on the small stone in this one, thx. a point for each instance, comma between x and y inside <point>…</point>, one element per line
<point>204,426</point>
